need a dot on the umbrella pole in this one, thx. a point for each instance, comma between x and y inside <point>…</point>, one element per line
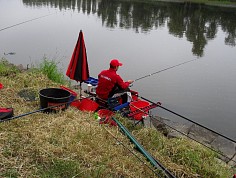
<point>80,90</point>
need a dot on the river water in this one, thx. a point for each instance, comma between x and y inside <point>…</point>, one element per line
<point>146,37</point>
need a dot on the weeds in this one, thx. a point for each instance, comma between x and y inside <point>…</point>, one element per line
<point>50,69</point>
<point>7,69</point>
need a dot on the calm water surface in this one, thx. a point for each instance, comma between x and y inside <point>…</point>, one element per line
<point>146,38</point>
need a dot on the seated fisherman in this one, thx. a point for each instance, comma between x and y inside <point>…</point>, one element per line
<point>111,85</point>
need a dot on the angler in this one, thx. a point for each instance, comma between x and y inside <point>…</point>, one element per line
<point>110,84</point>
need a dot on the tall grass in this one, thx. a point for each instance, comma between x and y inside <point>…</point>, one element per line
<point>50,69</point>
<point>6,68</point>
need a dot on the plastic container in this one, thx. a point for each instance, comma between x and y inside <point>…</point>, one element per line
<point>105,113</point>
<point>6,113</point>
<point>87,104</point>
<point>106,117</point>
<point>89,87</point>
<point>134,95</point>
<point>92,81</point>
<point>75,103</point>
<point>54,97</point>
<point>136,105</point>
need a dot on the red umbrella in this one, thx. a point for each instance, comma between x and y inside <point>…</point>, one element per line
<point>78,67</point>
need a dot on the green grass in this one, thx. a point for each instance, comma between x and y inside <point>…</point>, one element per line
<point>47,67</point>
<point>7,69</point>
<point>50,69</point>
<point>12,173</point>
<point>60,168</point>
<point>72,143</point>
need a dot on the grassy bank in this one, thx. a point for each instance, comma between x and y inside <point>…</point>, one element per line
<point>73,144</point>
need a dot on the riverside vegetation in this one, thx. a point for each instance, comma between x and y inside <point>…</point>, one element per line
<point>71,143</point>
<point>226,3</point>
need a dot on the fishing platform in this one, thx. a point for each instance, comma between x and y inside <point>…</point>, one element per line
<point>137,110</point>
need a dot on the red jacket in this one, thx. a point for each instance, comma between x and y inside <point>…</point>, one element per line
<point>107,79</point>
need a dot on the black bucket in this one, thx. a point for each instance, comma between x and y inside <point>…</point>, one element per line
<point>54,97</point>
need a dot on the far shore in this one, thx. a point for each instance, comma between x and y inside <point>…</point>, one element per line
<point>227,4</point>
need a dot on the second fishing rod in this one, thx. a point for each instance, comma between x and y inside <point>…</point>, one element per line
<point>175,112</point>
<point>171,67</point>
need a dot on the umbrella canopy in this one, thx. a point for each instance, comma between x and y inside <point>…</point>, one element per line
<point>78,67</point>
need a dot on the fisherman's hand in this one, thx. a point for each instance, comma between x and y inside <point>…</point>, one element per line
<point>130,81</point>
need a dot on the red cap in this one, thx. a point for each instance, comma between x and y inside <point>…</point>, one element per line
<point>115,63</point>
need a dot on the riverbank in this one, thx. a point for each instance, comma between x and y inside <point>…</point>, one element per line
<point>73,144</point>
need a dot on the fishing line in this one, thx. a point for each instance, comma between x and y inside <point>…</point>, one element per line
<point>25,22</point>
<point>190,120</point>
<point>163,70</point>
<point>218,152</point>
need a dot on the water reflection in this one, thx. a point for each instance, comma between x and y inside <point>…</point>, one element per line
<point>196,22</point>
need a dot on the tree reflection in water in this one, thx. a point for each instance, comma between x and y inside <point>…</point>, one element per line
<point>197,22</point>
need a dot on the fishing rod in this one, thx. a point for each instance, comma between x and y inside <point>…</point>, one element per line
<point>189,120</point>
<point>40,110</point>
<point>158,105</point>
<point>153,117</point>
<point>117,108</point>
<point>154,162</point>
<point>25,22</point>
<point>163,70</point>
<point>120,142</point>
